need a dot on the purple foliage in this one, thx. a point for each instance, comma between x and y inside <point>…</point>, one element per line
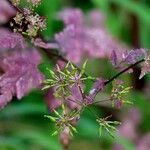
<point>20,75</point>
<point>75,98</point>
<point>78,38</point>
<point>72,101</point>
<point>81,36</point>
<point>96,18</point>
<point>6,11</point>
<point>144,142</point>
<point>10,40</point>
<point>120,59</point>
<point>69,44</point>
<point>64,137</point>
<point>130,57</point>
<point>39,43</point>
<point>71,17</point>
<point>145,66</point>
<point>128,127</point>
<point>129,130</point>
<point>145,69</point>
<point>51,102</point>
<point>113,58</point>
<point>117,147</point>
<point>118,104</point>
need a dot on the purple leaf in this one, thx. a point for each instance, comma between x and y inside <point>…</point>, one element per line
<point>79,39</point>
<point>113,58</point>
<point>20,75</point>
<point>6,11</point>
<point>145,66</point>
<point>69,43</point>
<point>39,43</point>
<point>71,16</point>
<point>10,40</point>
<point>96,18</point>
<point>51,102</point>
<point>130,57</point>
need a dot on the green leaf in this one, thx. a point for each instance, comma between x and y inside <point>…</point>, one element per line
<point>53,119</point>
<point>83,68</point>
<point>57,114</point>
<point>73,129</point>
<point>55,133</point>
<point>131,6</point>
<point>46,87</point>
<point>100,130</point>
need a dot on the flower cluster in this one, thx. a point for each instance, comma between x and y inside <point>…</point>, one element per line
<point>27,22</point>
<point>118,94</point>
<point>67,83</point>
<point>107,125</point>
<point>34,2</point>
<point>15,2</point>
<point>64,120</point>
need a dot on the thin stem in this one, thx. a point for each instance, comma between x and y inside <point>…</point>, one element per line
<point>123,71</point>
<point>105,100</point>
<point>83,106</point>
<point>91,111</point>
<point>120,73</point>
<point>80,89</point>
<point>108,117</point>
<point>77,102</point>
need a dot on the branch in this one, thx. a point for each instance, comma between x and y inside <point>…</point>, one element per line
<point>123,71</point>
<point>118,74</point>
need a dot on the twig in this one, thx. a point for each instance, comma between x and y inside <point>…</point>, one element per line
<point>123,71</point>
<point>105,100</point>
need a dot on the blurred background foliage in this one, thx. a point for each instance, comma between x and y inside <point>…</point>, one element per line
<point>22,125</point>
